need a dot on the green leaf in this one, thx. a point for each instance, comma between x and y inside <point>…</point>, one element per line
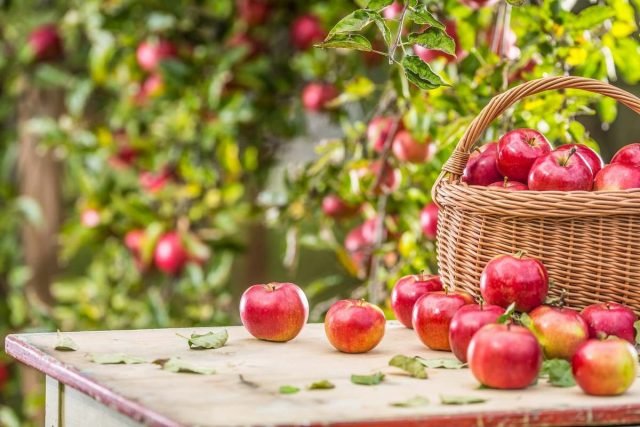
<point>446,363</point>
<point>591,17</point>
<point>608,109</point>
<point>558,372</point>
<point>637,326</point>
<point>210,340</point>
<point>508,314</point>
<point>346,41</point>
<point>64,343</point>
<point>450,399</point>
<point>288,389</point>
<point>378,4</point>
<point>116,359</point>
<point>420,74</point>
<point>434,38</point>
<point>421,16</point>
<point>321,385</point>
<point>411,365</point>
<point>384,29</point>
<point>354,22</point>
<point>412,403</point>
<point>175,364</point>
<point>516,2</point>
<point>372,379</point>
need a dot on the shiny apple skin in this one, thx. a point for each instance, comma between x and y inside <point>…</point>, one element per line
<point>334,206</point>
<point>393,10</point>
<point>429,220</point>
<point>274,311</point>
<point>151,53</point>
<point>509,185</point>
<point>518,149</point>
<point>316,96</point>
<point>617,176</point>
<point>45,43</point>
<point>610,319</point>
<point>560,171</point>
<point>560,331</point>
<point>507,279</point>
<point>432,314</point>
<point>405,148</point>
<point>408,290</point>
<point>482,166</point>
<point>354,326</point>
<point>592,158</point>
<point>468,320</point>
<point>628,155</point>
<point>605,367</point>
<point>170,255</point>
<point>504,357</point>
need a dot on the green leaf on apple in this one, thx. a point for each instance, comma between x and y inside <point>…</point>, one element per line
<point>321,385</point>
<point>420,15</point>
<point>64,343</point>
<point>346,41</point>
<point>558,373</point>
<point>412,403</point>
<point>411,365</point>
<point>372,379</point>
<point>636,325</point>
<point>116,359</point>
<point>508,314</point>
<point>446,363</point>
<point>378,4</point>
<point>434,38</point>
<point>288,389</point>
<point>210,340</point>
<point>451,399</point>
<point>177,365</point>
<point>420,74</point>
<point>355,21</point>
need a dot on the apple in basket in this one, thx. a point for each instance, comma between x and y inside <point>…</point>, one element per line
<point>628,155</point>
<point>408,290</point>
<point>564,170</point>
<point>617,176</point>
<point>354,326</point>
<point>509,185</point>
<point>468,320</point>
<point>610,319</point>
<point>592,158</point>
<point>560,331</point>
<point>518,149</point>
<point>482,166</point>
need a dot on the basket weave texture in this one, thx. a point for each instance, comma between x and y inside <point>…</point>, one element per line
<point>589,241</point>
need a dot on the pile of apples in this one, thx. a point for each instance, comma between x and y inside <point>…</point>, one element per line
<point>488,336</point>
<point>523,159</point>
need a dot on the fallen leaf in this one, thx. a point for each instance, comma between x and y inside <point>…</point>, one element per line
<point>210,340</point>
<point>321,385</point>
<point>65,343</point>
<point>450,399</point>
<point>412,403</point>
<point>411,365</point>
<point>558,372</point>
<point>116,359</point>
<point>446,363</point>
<point>246,382</point>
<point>288,389</point>
<point>175,364</point>
<point>372,379</point>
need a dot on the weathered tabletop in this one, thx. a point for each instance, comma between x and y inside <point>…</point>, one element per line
<point>148,394</point>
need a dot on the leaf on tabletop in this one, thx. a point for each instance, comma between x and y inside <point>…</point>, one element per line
<point>288,389</point>
<point>321,385</point>
<point>451,399</point>
<point>64,343</point>
<point>116,359</point>
<point>210,340</point>
<point>177,365</point>
<point>372,379</point>
<point>446,363</point>
<point>411,365</point>
<point>558,373</point>
<point>412,403</point>
<point>246,382</point>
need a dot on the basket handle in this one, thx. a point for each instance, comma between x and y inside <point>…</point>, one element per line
<point>500,103</point>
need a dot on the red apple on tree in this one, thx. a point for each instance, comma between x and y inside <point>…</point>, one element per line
<point>253,12</point>
<point>154,182</point>
<point>408,290</point>
<point>316,96</point>
<point>305,31</point>
<point>466,322</point>
<point>617,176</point>
<point>428,55</point>
<point>506,42</point>
<point>334,206</point>
<point>429,220</point>
<point>45,43</point>
<point>478,4</point>
<point>561,171</point>
<point>379,129</point>
<point>124,157</point>
<point>592,158</point>
<point>354,326</point>
<point>482,166</point>
<point>505,184</point>
<point>390,177</point>
<point>514,278</point>
<point>152,87</point>
<point>504,356</point>
<point>628,155</point>
<point>610,319</point>
<point>275,311</point>
<point>517,150</point>
<point>432,314</point>
<point>151,53</point>
<point>393,10</point>
<point>90,217</point>
<point>560,331</point>
<point>407,149</point>
<point>605,367</point>
<point>170,254</point>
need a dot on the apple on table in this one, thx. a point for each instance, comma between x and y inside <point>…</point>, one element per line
<point>408,290</point>
<point>354,326</point>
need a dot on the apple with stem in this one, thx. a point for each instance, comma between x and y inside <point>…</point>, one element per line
<point>429,220</point>
<point>305,31</point>
<point>468,320</point>
<point>482,166</point>
<point>560,331</point>
<point>628,155</point>
<point>617,176</point>
<point>170,254</point>
<point>274,311</point>
<point>561,171</point>
<point>45,43</point>
<point>151,53</point>
<point>316,96</point>
<point>507,185</point>
<point>354,326</point>
<point>592,158</point>
<point>408,290</point>
<point>610,319</point>
<point>407,149</point>
<point>517,150</point>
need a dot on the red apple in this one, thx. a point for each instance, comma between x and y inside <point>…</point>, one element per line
<point>124,157</point>
<point>253,12</point>
<point>429,220</point>
<point>90,217</point>
<point>561,171</point>
<point>334,206</point>
<point>592,158</point>
<point>393,10</point>
<point>356,239</point>
<point>407,149</point>
<point>466,322</point>
<point>154,182</point>
<point>428,55</point>
<point>517,150</point>
<point>504,356</point>
<point>390,177</point>
<point>378,131</point>
<point>605,367</point>
<point>610,319</point>
<point>315,96</point>
<point>406,292</point>
<point>306,30</point>
<point>275,311</point>
<point>507,185</point>
<point>617,176</point>
<point>514,278</point>
<point>477,4</point>
<point>482,166</point>
<point>525,70</point>
<point>432,314</point>
<point>151,53</point>
<point>45,43</point>
<point>354,326</point>
<point>628,155</point>
<point>152,87</point>
<point>170,254</point>
<point>560,331</point>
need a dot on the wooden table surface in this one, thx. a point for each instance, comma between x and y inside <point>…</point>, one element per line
<point>148,394</point>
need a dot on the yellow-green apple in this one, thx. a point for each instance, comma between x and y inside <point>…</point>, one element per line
<point>628,155</point>
<point>354,326</point>
<point>274,311</point>
<point>605,367</point>
<point>429,220</point>
<point>45,43</point>
<point>518,149</point>
<point>518,279</point>
<point>170,254</point>
<point>592,158</point>
<point>432,314</point>
<point>151,53</point>
<point>610,319</point>
<point>335,206</point>
<point>468,320</point>
<point>504,356</point>
<point>305,31</point>
<point>561,171</point>
<point>482,166</point>
<point>407,149</point>
<point>316,96</point>
<point>507,185</point>
<point>617,176</point>
<point>560,331</point>
<point>406,292</point>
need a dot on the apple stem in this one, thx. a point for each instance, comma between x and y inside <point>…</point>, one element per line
<point>271,286</point>
<point>519,254</point>
<point>421,276</point>
<point>566,159</point>
<point>504,184</point>
<point>601,336</point>
<point>531,141</point>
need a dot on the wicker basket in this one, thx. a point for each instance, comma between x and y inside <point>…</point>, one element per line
<point>589,241</point>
